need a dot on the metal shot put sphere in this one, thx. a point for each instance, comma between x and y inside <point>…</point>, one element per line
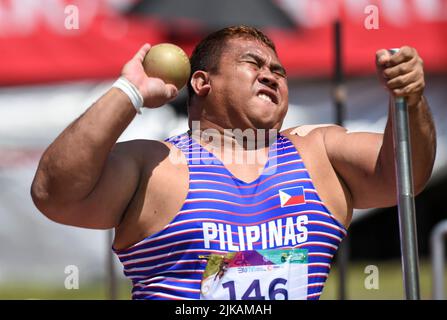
<point>169,63</point>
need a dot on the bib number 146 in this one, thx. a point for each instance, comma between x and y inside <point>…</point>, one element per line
<point>276,290</point>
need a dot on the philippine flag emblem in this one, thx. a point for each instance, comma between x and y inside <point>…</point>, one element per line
<point>292,196</point>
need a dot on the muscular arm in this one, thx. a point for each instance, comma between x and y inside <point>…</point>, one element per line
<point>365,161</point>
<point>83,178</point>
<point>80,159</point>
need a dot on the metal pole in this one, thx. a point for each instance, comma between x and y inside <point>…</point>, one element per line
<point>339,93</point>
<point>406,208</point>
<point>437,258</point>
<point>339,98</point>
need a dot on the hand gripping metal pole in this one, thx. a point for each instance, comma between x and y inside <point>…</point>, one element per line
<point>406,208</point>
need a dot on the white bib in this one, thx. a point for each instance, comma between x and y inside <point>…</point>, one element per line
<point>279,274</point>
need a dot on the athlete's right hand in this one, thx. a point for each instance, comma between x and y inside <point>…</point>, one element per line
<point>155,91</point>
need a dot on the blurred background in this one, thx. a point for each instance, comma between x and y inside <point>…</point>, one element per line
<point>58,56</point>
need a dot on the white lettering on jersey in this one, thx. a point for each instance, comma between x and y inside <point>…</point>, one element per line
<point>275,233</point>
<point>209,233</point>
<point>270,235</point>
<point>252,234</point>
<point>302,230</point>
<point>289,237</point>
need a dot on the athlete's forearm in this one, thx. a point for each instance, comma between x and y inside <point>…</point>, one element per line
<point>423,144</point>
<point>72,164</point>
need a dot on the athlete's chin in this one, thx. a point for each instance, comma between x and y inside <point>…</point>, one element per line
<point>266,123</point>
<point>267,120</point>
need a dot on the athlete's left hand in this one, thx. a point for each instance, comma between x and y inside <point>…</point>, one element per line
<point>402,73</point>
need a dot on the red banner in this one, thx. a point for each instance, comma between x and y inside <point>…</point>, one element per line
<point>61,40</point>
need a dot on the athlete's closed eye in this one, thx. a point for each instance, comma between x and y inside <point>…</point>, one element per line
<point>280,71</point>
<point>253,63</point>
<point>259,62</point>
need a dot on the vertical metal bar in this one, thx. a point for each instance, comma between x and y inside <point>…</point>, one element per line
<point>406,208</point>
<point>437,258</point>
<point>111,283</point>
<point>339,97</point>
<point>339,93</point>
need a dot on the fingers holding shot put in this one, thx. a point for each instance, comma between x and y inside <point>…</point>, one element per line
<point>158,73</point>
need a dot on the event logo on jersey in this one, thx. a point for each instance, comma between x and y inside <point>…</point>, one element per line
<point>292,196</point>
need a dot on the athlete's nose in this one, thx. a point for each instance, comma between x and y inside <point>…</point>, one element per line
<point>267,78</point>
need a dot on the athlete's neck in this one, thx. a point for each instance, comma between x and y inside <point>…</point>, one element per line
<point>247,139</point>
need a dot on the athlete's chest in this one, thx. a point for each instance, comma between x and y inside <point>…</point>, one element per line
<point>268,195</point>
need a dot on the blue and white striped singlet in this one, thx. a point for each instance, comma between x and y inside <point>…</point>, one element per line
<point>169,264</point>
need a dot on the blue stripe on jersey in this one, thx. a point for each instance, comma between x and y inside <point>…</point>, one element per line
<point>169,264</point>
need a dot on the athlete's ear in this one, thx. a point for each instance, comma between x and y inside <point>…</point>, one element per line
<point>200,82</point>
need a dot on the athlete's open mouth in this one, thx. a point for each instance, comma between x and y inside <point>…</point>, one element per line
<point>268,96</point>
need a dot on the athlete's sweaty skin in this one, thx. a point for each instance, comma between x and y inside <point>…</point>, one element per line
<point>85,179</point>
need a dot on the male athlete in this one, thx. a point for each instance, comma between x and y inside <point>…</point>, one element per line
<point>182,206</point>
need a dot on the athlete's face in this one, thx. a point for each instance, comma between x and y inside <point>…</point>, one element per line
<point>250,86</point>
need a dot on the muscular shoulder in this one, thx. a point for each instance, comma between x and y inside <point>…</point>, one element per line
<point>310,142</point>
<point>307,132</point>
<point>313,133</point>
<point>144,152</point>
<point>140,145</point>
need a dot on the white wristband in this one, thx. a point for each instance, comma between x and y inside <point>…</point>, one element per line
<point>131,91</point>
